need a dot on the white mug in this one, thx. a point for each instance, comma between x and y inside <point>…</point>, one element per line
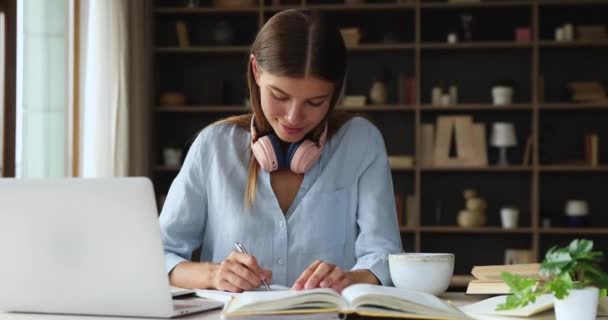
<point>509,217</point>
<point>502,95</point>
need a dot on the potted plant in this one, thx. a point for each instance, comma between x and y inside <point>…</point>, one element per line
<point>572,275</point>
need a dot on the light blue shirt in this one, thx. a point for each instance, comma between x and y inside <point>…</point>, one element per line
<point>344,212</point>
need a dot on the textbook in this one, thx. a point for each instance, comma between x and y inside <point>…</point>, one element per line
<point>488,281</point>
<point>362,299</point>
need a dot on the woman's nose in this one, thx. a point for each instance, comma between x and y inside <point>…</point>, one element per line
<point>294,113</point>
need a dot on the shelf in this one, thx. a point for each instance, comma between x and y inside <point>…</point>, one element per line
<point>573,43</point>
<point>573,106</point>
<point>407,229</point>
<point>477,45</point>
<point>478,169</point>
<point>573,168</point>
<point>204,49</point>
<point>475,106</point>
<point>204,109</point>
<point>361,7</point>
<point>378,108</point>
<point>456,229</point>
<point>381,47</point>
<point>575,231</point>
<point>571,2</point>
<point>205,10</point>
<point>480,4</point>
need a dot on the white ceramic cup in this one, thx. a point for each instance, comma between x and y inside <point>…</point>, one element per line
<point>502,95</point>
<point>509,217</point>
<point>427,272</point>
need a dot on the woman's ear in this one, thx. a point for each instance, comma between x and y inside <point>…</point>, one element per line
<point>254,67</point>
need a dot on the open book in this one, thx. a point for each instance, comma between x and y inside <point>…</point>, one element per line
<point>363,299</point>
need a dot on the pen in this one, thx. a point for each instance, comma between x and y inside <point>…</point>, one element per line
<point>239,246</point>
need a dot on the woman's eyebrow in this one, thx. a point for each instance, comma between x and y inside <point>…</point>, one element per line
<point>285,93</point>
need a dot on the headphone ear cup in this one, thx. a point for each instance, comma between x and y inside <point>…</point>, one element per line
<point>305,156</point>
<point>263,151</point>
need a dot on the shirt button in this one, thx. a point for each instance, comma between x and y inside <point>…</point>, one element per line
<point>280,261</point>
<point>282,224</point>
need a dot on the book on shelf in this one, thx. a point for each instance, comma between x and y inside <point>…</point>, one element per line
<point>401,161</point>
<point>527,158</point>
<point>488,281</point>
<point>400,211</point>
<point>183,40</point>
<point>591,144</point>
<point>362,299</point>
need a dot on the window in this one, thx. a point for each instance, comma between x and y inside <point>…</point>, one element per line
<point>43,75</point>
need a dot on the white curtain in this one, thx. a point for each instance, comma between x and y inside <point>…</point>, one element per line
<point>104,143</point>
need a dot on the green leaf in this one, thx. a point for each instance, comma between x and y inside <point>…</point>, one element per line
<point>580,247</point>
<point>522,289</point>
<point>560,286</point>
<point>603,293</point>
<point>594,275</point>
<point>556,262</point>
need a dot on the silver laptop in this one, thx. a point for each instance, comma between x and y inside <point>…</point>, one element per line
<point>84,246</point>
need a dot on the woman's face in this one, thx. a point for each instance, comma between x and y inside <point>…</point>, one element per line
<point>293,106</point>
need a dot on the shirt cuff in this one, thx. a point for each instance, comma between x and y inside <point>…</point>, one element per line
<point>171,260</point>
<point>378,267</point>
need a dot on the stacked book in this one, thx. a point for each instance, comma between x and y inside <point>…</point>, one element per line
<point>488,281</point>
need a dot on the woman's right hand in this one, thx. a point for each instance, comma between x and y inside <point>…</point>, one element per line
<point>239,272</point>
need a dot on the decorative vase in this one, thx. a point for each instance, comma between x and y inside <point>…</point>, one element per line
<point>377,93</point>
<point>470,219</point>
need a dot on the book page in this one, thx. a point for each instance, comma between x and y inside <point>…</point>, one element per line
<point>225,296</point>
<point>488,307</point>
<point>264,301</point>
<point>405,301</point>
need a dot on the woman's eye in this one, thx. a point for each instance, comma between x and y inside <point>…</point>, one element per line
<point>315,104</point>
<point>280,98</point>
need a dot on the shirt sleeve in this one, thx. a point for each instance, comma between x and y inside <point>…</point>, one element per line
<point>184,212</point>
<point>376,213</point>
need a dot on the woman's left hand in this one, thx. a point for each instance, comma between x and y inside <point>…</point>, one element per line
<point>322,275</point>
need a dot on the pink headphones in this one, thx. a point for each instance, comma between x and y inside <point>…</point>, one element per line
<point>299,158</point>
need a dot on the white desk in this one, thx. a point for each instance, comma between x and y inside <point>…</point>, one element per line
<point>457,298</point>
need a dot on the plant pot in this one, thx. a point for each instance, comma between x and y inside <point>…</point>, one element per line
<point>502,95</point>
<point>580,304</point>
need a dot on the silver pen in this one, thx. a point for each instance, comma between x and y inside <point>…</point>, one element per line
<point>239,246</point>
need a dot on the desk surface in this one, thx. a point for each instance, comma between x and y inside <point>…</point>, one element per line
<point>457,298</point>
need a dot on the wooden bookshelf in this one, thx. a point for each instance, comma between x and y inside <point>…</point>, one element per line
<point>418,49</point>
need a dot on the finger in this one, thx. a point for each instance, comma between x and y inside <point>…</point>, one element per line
<point>340,284</point>
<point>267,275</point>
<point>299,284</point>
<point>227,286</point>
<point>332,277</point>
<point>250,262</point>
<point>245,273</point>
<point>238,281</point>
<point>318,275</point>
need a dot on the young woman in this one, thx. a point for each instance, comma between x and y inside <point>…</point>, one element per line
<point>305,189</point>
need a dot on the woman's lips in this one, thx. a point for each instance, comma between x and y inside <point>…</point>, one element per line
<point>291,130</point>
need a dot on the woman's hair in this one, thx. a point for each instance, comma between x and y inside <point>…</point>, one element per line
<point>297,44</point>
